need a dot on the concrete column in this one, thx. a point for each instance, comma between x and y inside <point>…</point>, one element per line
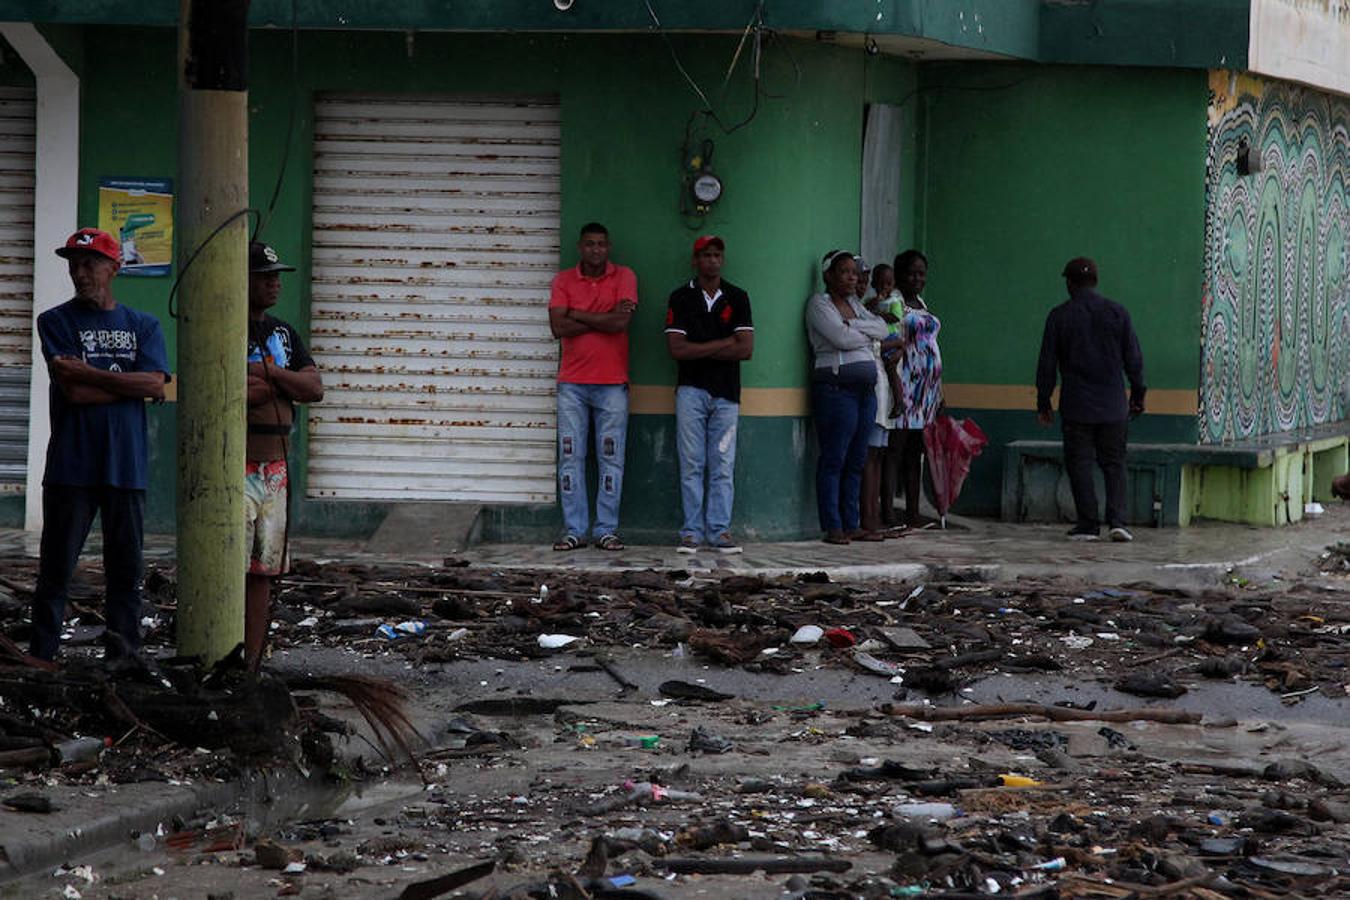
<point>55,214</point>
<point>212,324</point>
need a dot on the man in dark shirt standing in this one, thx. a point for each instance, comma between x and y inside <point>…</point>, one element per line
<point>1089,342</point>
<point>281,373</point>
<point>105,361</point>
<point>709,332</point>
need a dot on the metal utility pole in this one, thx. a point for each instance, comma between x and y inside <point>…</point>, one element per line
<point>212,323</point>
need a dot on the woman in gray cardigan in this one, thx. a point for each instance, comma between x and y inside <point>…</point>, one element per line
<point>843,399</point>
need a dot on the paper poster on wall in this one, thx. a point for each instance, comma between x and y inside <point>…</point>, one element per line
<point>139,213</point>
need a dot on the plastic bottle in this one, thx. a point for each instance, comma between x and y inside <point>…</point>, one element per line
<point>934,811</point>
<point>644,741</point>
<point>80,749</point>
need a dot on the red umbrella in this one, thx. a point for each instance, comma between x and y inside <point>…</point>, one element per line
<point>950,445</point>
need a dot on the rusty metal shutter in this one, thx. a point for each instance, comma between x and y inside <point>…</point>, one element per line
<point>435,239</point>
<point>17,167</point>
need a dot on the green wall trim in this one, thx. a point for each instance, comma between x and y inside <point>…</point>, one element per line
<point>1193,33</point>
<point>1004,27</point>
<point>1185,33</point>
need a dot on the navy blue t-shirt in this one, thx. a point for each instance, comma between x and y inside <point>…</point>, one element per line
<point>100,443</point>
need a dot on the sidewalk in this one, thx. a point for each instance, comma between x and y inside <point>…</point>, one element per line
<point>971,548</point>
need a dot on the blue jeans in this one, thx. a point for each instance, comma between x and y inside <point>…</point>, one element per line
<point>844,416</point>
<point>705,437</point>
<point>67,514</point>
<point>578,404</point>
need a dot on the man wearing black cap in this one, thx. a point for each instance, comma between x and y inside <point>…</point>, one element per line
<point>281,373</point>
<point>709,333</point>
<point>1089,341</point>
<point>105,361</point>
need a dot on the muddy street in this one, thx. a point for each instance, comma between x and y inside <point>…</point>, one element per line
<point>665,733</point>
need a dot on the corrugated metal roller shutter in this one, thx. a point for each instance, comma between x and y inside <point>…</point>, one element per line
<point>17,164</point>
<point>435,239</point>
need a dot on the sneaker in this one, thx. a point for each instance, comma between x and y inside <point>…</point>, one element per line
<point>688,544</point>
<point>724,544</point>
<point>1084,534</point>
<point>1120,534</point>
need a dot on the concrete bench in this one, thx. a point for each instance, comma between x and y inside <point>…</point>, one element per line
<point>1266,481</point>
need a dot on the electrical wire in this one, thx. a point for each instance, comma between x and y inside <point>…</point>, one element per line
<point>178,280</point>
<point>754,26</point>
<point>262,217</point>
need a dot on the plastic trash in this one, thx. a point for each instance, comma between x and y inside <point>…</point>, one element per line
<point>556,641</point>
<point>1051,865</point>
<point>840,637</point>
<point>1018,781</point>
<point>644,741</point>
<point>705,741</point>
<point>621,881</point>
<point>877,666</point>
<point>401,630</point>
<point>808,634</point>
<point>80,749</point>
<point>937,812</point>
<point>643,790</point>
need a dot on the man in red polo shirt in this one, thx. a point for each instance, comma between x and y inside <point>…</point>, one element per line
<point>589,310</point>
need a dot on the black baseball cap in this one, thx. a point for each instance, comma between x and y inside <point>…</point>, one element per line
<point>262,258</point>
<point>1080,268</point>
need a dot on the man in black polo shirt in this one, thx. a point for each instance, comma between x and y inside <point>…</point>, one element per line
<point>1089,342</point>
<point>709,332</point>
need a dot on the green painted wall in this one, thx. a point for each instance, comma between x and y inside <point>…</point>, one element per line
<point>792,192</point>
<point>1008,171</point>
<point>1025,167</point>
<point>1006,27</point>
<point>1191,33</point>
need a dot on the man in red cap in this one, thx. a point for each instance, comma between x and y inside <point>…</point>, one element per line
<point>105,361</point>
<point>709,333</point>
<point>1089,342</point>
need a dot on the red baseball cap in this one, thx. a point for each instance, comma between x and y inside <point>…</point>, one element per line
<point>708,240</point>
<point>91,240</point>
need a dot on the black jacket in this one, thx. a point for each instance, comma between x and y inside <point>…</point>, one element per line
<point>1089,342</point>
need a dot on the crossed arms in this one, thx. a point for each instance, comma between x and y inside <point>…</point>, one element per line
<point>301,386</point>
<point>564,321</point>
<point>82,383</point>
<point>736,348</point>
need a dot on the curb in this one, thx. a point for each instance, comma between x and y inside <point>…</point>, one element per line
<point>36,851</point>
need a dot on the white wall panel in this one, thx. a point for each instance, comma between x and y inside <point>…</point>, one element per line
<point>435,238</point>
<point>18,129</point>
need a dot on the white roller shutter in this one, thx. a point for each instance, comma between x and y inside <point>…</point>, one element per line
<point>17,164</point>
<point>435,239</point>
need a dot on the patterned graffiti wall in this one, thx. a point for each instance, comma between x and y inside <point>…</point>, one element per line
<point>1276,304</point>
